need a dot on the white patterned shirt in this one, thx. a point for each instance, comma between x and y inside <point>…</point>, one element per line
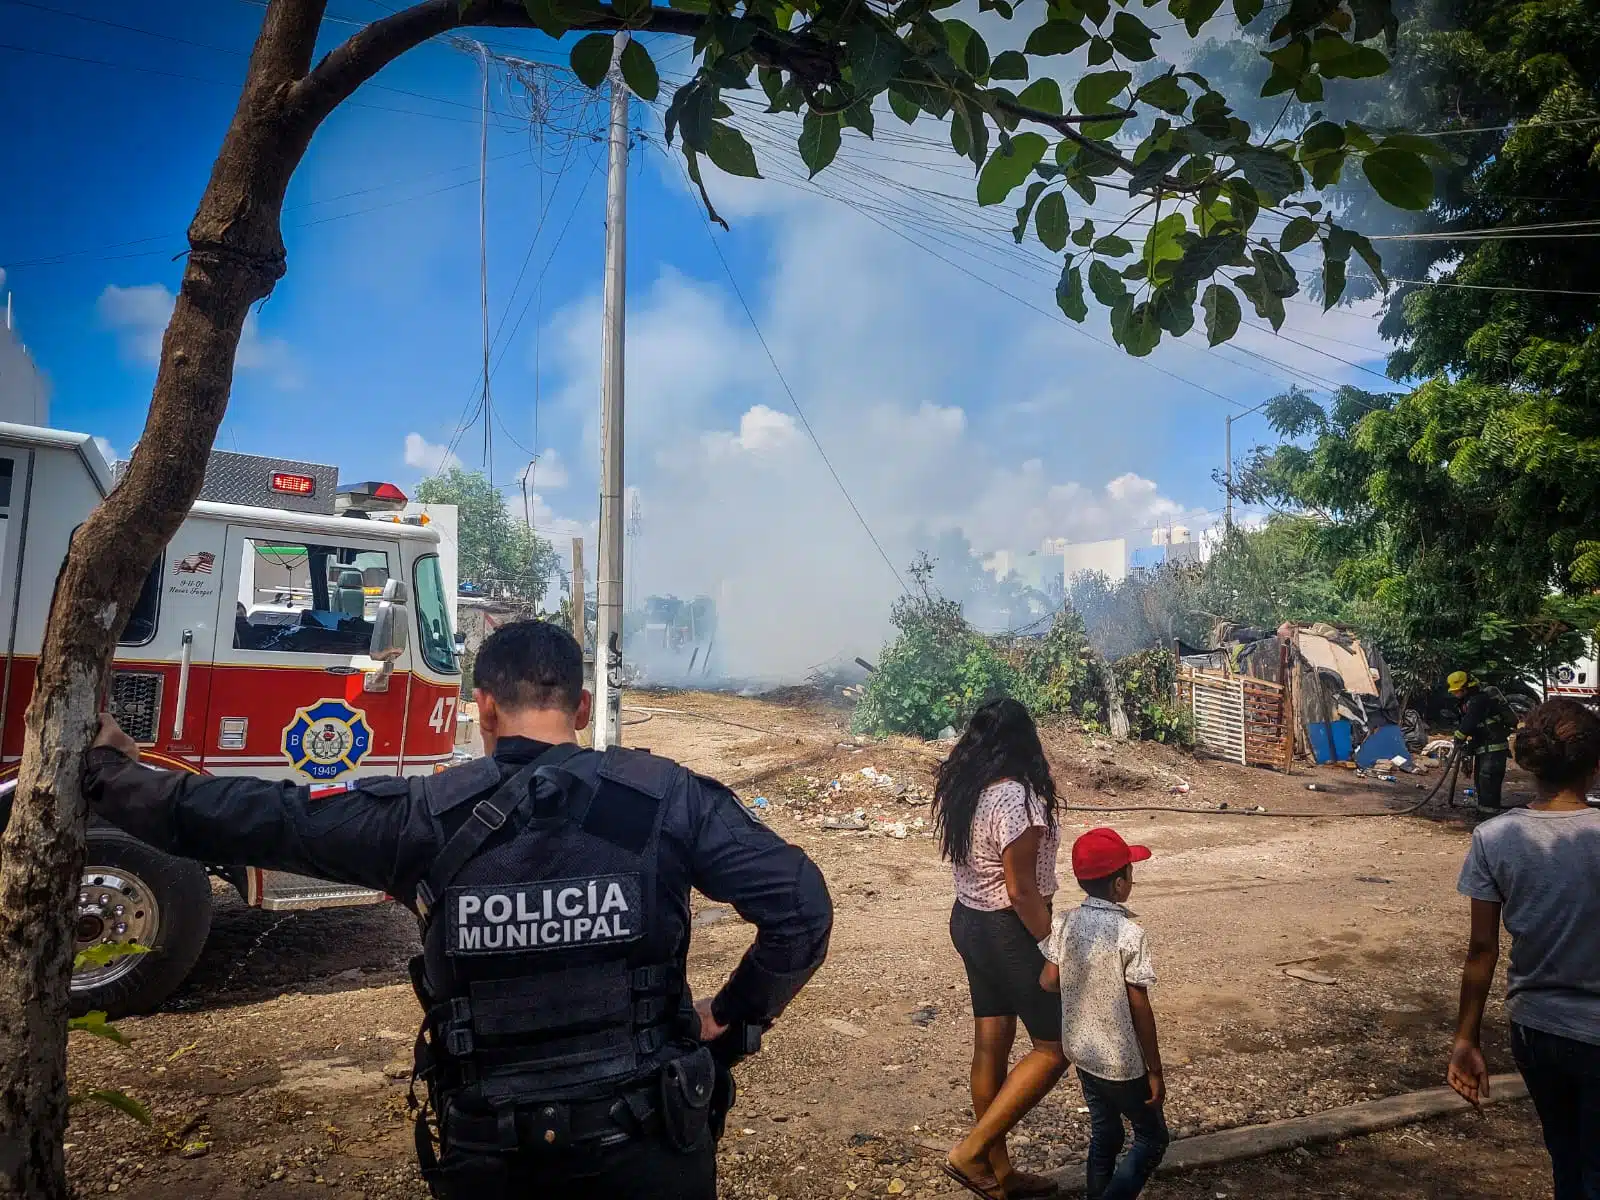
<point>1099,951</point>
<point>1006,810</point>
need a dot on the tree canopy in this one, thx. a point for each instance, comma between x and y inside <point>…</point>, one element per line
<point>1202,183</point>
<point>1469,505</point>
<point>496,555</point>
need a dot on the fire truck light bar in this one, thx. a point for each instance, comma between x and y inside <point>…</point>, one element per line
<point>293,485</point>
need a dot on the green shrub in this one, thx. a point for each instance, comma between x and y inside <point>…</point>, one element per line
<point>1148,681</point>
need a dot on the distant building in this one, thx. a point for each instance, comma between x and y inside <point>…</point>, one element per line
<point>1169,546</point>
<point>1045,573</point>
<point>1108,557</point>
<point>24,393</point>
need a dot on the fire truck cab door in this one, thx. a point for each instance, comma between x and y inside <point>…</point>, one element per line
<point>292,693</point>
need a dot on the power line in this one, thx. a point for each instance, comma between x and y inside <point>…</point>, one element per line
<point>1489,287</point>
<point>793,399</point>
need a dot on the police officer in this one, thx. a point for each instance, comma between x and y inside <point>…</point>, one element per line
<point>561,1050</point>
<point>1483,731</point>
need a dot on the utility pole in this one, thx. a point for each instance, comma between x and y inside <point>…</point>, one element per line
<point>608,573</point>
<point>1227,473</point>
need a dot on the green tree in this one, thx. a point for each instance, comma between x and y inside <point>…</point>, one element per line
<point>496,554</point>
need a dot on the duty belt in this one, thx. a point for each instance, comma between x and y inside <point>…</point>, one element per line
<point>556,1123</point>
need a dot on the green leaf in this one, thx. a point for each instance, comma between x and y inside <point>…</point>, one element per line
<point>1069,293</point>
<point>1247,11</point>
<point>1261,295</point>
<point>1005,172</point>
<point>1096,10</point>
<point>693,161</point>
<point>1008,64</point>
<point>120,1101</point>
<point>967,48</point>
<point>1204,258</point>
<point>859,116</point>
<point>1132,37</point>
<point>95,1023</point>
<point>1166,243</point>
<point>1083,235</point>
<point>903,106</point>
<point>819,141</point>
<point>968,133</point>
<point>1100,52</point>
<point>545,18</point>
<point>1134,327</point>
<point>875,59</point>
<point>1332,282</point>
<point>1113,246</point>
<point>591,59</point>
<point>730,152</point>
<point>101,953</point>
<point>1222,314</point>
<point>1417,144</point>
<point>1106,284</point>
<point>1096,91</point>
<point>631,11</point>
<point>1173,309</point>
<point>1361,62</point>
<point>1400,177</point>
<point>1044,95</point>
<point>1197,14</point>
<point>1271,173</point>
<point>1055,37</point>
<point>1025,212</point>
<point>1297,233</point>
<point>1050,221</point>
<point>1166,93</point>
<point>639,72</point>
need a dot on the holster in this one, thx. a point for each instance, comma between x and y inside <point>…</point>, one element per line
<point>736,1044</point>
<point>687,1087</point>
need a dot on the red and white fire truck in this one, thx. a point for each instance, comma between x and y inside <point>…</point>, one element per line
<point>289,630</point>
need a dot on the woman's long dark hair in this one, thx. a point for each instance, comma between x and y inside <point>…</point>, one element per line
<point>1000,742</point>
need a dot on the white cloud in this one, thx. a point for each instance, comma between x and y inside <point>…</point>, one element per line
<point>139,316</point>
<point>426,456</point>
<point>550,472</point>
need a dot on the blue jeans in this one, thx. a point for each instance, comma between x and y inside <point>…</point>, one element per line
<point>1563,1077</point>
<point>1109,1102</point>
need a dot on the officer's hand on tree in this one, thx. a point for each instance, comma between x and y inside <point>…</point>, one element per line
<point>111,734</point>
<point>710,1028</point>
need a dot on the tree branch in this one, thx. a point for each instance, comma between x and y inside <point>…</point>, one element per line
<point>1064,126</point>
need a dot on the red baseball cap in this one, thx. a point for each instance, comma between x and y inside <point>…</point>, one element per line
<point>1102,852</point>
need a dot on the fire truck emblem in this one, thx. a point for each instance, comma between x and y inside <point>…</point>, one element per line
<point>327,739</point>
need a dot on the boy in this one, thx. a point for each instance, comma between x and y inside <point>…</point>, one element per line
<point>1099,963</point>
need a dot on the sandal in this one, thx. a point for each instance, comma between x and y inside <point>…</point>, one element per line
<point>991,1191</point>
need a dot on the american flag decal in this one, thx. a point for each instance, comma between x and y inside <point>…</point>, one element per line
<point>195,564</point>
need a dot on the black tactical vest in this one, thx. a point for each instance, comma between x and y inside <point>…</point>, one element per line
<point>546,973</point>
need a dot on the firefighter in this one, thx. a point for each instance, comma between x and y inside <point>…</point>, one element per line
<point>561,1050</point>
<point>1483,731</point>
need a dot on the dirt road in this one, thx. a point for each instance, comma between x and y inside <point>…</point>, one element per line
<point>279,1069</point>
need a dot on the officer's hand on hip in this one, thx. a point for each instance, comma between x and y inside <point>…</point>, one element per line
<point>710,1028</point>
<point>111,734</point>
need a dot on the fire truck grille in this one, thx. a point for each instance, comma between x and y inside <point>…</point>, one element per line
<point>136,703</point>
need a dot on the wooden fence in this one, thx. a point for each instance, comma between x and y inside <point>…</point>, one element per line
<point>1236,717</point>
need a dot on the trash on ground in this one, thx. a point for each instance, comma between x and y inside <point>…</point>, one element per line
<point>858,823</point>
<point>1310,976</point>
<point>923,1017</point>
<point>1372,879</point>
<point>1179,789</point>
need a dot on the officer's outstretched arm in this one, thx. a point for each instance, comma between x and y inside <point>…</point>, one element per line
<point>350,837</point>
<point>739,861</point>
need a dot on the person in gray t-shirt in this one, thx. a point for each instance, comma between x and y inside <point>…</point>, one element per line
<point>1538,870</point>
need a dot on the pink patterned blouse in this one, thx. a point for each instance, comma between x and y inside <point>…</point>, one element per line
<point>1002,817</point>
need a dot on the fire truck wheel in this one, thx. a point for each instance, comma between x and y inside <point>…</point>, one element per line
<point>132,893</point>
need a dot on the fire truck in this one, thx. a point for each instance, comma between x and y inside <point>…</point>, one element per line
<point>290,630</point>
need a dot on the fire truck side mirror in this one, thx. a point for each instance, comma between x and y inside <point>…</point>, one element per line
<point>391,623</point>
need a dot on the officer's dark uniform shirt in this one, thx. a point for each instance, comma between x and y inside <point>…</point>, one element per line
<point>378,835</point>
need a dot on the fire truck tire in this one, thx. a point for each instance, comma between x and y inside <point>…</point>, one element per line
<point>134,893</point>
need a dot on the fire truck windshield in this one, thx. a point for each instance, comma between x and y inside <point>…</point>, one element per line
<point>433,618</point>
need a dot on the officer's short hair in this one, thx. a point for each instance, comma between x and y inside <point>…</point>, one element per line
<point>530,664</point>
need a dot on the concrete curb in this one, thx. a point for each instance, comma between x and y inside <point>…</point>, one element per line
<point>1331,1125</point>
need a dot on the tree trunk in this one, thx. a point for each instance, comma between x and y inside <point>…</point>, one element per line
<point>235,259</point>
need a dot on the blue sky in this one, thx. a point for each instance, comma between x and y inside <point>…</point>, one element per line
<point>924,348</point>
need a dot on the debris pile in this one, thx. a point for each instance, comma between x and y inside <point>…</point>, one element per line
<point>865,800</point>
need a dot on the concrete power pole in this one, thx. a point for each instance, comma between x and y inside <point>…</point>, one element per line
<point>1227,472</point>
<point>608,569</point>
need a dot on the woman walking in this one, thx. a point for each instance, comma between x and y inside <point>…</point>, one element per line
<point>994,811</point>
<point>1538,870</point>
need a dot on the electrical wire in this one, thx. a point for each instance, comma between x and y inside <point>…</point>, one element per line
<point>793,399</point>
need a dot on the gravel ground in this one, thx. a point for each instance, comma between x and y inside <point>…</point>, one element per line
<point>279,1069</point>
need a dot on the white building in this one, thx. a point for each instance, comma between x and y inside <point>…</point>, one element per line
<point>1109,557</point>
<point>24,393</point>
